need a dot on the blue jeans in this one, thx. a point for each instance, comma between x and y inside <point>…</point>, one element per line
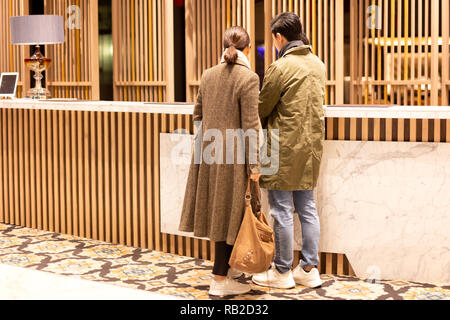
<point>282,204</point>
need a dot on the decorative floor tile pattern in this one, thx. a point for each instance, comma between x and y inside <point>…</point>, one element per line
<point>173,275</point>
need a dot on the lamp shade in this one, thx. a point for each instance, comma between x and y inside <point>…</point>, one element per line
<point>37,29</point>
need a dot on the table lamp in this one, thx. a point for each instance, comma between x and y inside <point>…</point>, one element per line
<point>37,30</point>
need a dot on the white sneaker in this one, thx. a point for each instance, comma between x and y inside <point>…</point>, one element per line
<point>307,279</point>
<point>272,278</point>
<point>234,274</point>
<point>228,287</point>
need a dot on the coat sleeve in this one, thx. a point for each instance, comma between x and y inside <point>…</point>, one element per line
<point>250,123</point>
<point>270,93</point>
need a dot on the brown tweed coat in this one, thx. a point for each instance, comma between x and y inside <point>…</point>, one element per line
<point>214,199</point>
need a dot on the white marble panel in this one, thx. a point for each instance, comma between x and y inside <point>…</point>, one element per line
<point>175,153</point>
<point>386,205</point>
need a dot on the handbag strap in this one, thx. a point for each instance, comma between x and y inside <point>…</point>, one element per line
<point>248,194</point>
<point>253,195</point>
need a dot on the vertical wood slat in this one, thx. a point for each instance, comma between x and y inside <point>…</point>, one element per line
<point>435,7</point>
<point>148,182</point>
<point>339,54</point>
<point>201,54</point>
<point>410,55</point>
<point>155,179</point>
<point>16,166</point>
<point>445,52</point>
<point>74,72</point>
<point>164,237</point>
<point>144,70</point>
<point>3,209</point>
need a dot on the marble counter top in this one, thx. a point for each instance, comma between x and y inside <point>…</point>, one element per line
<point>382,112</point>
<point>388,112</point>
<point>98,106</point>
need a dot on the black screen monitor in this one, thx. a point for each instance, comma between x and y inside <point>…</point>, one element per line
<point>8,84</point>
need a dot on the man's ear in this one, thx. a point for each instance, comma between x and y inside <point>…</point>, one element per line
<point>279,37</point>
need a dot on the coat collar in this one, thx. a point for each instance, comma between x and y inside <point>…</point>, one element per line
<point>243,63</point>
<point>242,59</point>
<point>303,50</point>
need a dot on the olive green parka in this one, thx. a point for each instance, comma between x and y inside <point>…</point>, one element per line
<point>291,101</point>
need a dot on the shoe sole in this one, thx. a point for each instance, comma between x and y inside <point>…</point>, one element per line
<point>272,286</point>
<point>224,294</point>
<point>311,286</point>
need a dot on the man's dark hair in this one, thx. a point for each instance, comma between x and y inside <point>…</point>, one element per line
<point>288,24</point>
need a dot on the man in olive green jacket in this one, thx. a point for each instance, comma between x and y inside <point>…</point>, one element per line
<point>291,109</point>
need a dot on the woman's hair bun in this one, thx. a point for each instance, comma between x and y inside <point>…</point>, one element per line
<point>235,38</point>
<point>231,55</point>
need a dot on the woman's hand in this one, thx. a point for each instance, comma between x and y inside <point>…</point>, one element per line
<point>255,177</point>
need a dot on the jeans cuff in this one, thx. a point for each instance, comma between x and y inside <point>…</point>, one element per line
<point>282,270</point>
<point>304,264</point>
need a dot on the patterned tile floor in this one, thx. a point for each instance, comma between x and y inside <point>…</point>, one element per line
<point>173,275</point>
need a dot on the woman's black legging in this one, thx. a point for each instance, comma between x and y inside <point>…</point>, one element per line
<point>223,254</point>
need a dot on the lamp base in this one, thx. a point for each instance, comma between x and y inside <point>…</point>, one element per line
<point>38,63</point>
<point>38,94</point>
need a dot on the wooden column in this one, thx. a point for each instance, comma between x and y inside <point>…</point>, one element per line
<point>12,56</point>
<point>268,33</point>
<point>94,52</point>
<point>445,52</point>
<point>435,52</point>
<point>169,49</point>
<point>340,62</point>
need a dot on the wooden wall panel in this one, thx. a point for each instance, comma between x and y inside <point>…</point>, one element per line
<point>323,22</point>
<point>405,60</point>
<point>143,50</point>
<point>88,174</point>
<point>399,130</point>
<point>74,72</point>
<point>445,10</point>
<point>12,56</point>
<point>95,175</point>
<point>206,22</point>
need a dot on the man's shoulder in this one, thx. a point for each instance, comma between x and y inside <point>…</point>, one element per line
<point>276,68</point>
<point>309,63</point>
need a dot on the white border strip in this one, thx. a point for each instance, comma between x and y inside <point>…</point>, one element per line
<point>394,112</point>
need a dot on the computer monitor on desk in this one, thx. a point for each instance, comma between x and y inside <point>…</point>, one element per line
<point>8,84</point>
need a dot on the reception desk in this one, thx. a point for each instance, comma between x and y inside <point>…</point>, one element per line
<point>100,170</point>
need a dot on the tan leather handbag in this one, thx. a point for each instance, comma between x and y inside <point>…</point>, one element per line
<point>254,249</point>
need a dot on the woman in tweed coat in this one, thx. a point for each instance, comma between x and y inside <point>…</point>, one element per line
<point>214,200</point>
